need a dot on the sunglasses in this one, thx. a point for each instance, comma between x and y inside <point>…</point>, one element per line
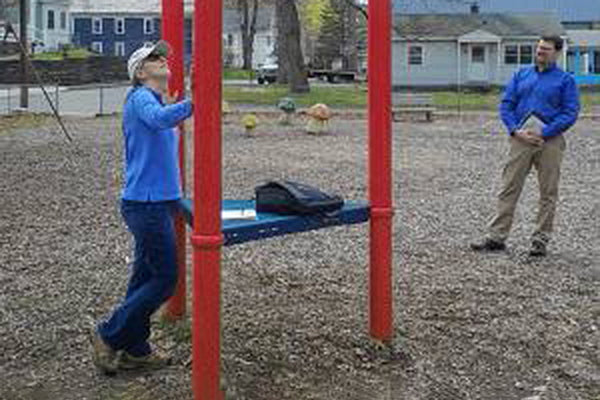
<point>154,57</point>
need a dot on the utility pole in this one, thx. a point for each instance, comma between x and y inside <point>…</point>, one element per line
<point>24,48</point>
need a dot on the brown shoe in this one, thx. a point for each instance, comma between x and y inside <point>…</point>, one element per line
<point>538,249</point>
<point>104,357</point>
<point>488,245</point>
<point>154,360</point>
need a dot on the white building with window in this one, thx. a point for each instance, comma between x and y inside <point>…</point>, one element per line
<point>440,50</point>
<point>49,23</point>
<point>264,39</point>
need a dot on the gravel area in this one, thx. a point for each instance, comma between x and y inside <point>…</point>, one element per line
<point>294,309</point>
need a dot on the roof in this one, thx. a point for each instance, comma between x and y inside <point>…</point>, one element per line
<point>456,25</point>
<point>586,38</point>
<point>231,17</point>
<point>567,11</point>
<point>116,6</point>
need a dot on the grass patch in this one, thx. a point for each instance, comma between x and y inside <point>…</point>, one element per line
<point>467,101</point>
<point>587,101</point>
<point>236,73</point>
<point>270,95</point>
<point>59,55</point>
<point>356,96</point>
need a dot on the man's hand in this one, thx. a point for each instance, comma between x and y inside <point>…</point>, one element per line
<point>530,137</point>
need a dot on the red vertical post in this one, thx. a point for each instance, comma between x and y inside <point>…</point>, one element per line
<point>207,238</point>
<point>173,33</point>
<point>380,169</point>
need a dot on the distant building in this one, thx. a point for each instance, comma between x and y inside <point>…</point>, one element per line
<point>466,49</point>
<point>584,55</point>
<point>114,27</point>
<point>47,23</point>
<point>574,14</point>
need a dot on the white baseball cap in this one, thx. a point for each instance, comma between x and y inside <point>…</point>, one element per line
<point>137,58</point>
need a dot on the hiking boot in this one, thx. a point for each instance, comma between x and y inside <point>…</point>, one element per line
<point>154,360</point>
<point>104,357</point>
<point>488,245</point>
<point>538,249</point>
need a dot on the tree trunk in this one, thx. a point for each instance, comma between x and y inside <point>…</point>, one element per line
<point>352,54</point>
<point>248,28</point>
<point>289,50</point>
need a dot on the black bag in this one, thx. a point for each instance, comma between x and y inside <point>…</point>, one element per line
<point>295,198</point>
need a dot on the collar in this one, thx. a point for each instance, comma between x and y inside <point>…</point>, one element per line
<point>154,92</point>
<point>551,67</point>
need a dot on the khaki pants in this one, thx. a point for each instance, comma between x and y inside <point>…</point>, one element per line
<point>547,160</point>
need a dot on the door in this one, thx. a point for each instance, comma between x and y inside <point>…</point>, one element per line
<point>478,64</point>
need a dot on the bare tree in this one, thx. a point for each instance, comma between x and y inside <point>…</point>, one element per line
<point>248,28</point>
<point>358,7</point>
<point>8,10</point>
<point>339,35</point>
<point>289,50</point>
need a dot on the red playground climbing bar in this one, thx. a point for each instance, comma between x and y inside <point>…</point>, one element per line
<point>207,235</point>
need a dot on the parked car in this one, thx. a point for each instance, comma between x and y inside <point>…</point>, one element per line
<point>267,74</point>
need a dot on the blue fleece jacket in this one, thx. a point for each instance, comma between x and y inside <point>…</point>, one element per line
<point>151,146</point>
<point>551,95</point>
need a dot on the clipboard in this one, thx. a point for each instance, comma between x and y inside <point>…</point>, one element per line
<point>532,122</point>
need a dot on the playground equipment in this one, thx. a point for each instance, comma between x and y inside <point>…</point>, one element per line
<point>203,211</point>
<point>585,77</point>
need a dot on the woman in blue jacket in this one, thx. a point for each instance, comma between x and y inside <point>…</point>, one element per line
<point>149,200</point>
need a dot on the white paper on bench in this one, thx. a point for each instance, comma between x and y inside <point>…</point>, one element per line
<point>242,213</point>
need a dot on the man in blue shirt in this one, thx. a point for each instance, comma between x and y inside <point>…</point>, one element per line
<point>540,103</point>
<point>149,201</point>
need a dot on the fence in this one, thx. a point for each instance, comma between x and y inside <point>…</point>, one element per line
<point>88,100</point>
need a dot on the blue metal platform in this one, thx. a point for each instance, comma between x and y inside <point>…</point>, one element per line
<point>268,225</point>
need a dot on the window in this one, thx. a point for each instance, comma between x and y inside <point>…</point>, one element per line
<point>269,41</point>
<point>97,26</point>
<point>415,55</point>
<point>511,54</point>
<point>50,23</point>
<point>148,26</point>
<point>120,26</point>
<point>478,54</point>
<point>522,54</point>
<point>526,56</point>
<point>63,21</point>
<point>97,47</point>
<point>120,49</point>
<point>229,40</point>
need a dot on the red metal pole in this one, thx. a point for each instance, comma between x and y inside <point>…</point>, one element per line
<point>380,169</point>
<point>207,238</point>
<point>173,33</point>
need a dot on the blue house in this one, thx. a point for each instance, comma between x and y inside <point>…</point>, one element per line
<point>114,28</point>
<point>117,28</point>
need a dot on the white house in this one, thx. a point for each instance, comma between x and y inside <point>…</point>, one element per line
<point>264,40</point>
<point>49,23</point>
<point>466,49</point>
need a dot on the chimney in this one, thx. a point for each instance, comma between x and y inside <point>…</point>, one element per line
<point>475,8</point>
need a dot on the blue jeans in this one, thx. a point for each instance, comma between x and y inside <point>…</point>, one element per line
<point>153,275</point>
